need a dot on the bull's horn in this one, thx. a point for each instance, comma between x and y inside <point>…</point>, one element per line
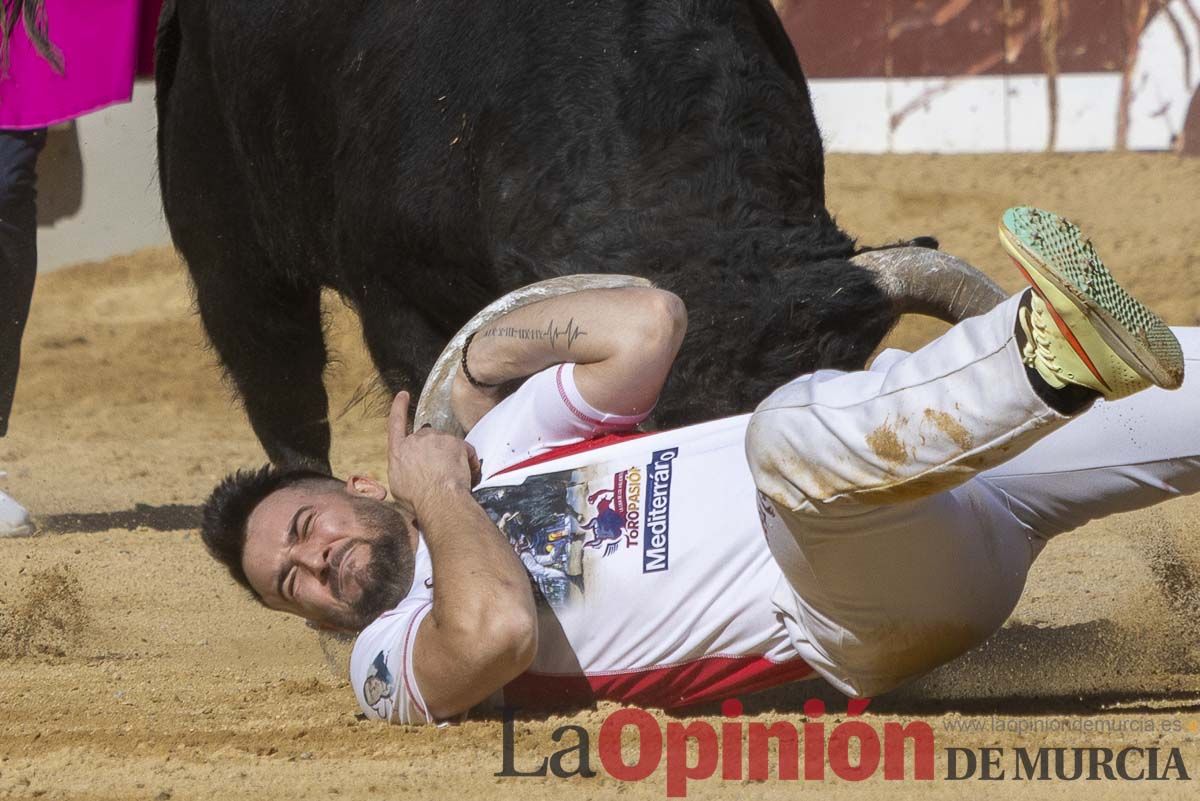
<point>930,282</point>
<point>433,407</point>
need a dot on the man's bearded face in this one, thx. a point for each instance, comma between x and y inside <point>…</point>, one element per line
<point>323,551</point>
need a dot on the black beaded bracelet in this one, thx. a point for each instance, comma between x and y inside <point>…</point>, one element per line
<point>463,363</point>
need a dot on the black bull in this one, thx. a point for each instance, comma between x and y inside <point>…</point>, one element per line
<point>424,158</point>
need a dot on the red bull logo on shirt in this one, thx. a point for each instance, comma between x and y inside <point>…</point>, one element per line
<point>615,513</point>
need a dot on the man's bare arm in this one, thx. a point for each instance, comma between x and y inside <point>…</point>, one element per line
<point>623,341</point>
<point>482,630</point>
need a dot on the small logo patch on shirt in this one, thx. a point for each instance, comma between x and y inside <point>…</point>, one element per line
<point>614,513</point>
<point>379,686</point>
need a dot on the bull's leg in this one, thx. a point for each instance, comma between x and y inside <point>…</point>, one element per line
<point>265,328</point>
<point>271,343</point>
<point>402,341</point>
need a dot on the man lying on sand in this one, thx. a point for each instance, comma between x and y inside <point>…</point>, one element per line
<point>902,506</point>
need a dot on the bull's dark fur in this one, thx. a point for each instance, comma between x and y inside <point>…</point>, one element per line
<point>424,158</point>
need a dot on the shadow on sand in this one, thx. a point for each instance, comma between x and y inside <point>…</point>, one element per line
<point>169,517</point>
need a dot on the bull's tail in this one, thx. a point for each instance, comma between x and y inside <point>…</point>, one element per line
<point>31,14</point>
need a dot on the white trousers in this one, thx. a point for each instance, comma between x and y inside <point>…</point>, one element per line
<point>906,503</point>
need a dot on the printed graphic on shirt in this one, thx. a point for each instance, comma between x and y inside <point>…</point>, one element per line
<point>379,687</point>
<point>539,519</point>
<point>553,521</point>
<point>617,510</point>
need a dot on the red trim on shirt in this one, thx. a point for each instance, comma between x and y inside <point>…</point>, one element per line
<point>710,678</point>
<point>572,408</point>
<point>405,667</point>
<point>602,441</point>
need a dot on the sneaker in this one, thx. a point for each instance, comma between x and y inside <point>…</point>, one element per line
<point>14,519</point>
<point>1081,327</point>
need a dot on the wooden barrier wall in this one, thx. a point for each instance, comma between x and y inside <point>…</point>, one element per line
<point>1001,75</point>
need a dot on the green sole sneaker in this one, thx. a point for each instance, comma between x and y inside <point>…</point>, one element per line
<point>1117,346</point>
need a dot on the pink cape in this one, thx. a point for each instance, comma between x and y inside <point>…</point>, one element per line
<point>104,45</point>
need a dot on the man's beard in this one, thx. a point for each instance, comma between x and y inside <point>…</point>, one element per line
<point>389,574</point>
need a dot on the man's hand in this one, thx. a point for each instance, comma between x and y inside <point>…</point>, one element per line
<point>482,630</point>
<point>470,403</point>
<point>426,463</point>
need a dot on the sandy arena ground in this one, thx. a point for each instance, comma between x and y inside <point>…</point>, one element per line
<point>130,667</point>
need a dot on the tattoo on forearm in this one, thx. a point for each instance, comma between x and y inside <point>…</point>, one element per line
<point>552,333</point>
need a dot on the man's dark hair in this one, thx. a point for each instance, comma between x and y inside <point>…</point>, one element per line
<point>228,509</point>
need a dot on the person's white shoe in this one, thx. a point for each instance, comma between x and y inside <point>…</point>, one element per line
<point>14,518</point>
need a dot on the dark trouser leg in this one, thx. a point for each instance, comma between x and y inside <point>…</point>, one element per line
<point>18,252</point>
